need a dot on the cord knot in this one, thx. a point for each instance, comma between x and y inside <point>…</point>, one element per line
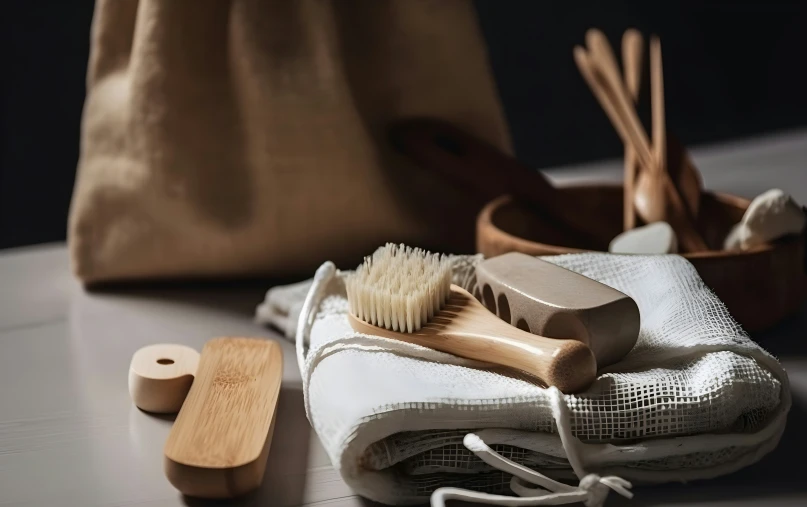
<point>598,488</point>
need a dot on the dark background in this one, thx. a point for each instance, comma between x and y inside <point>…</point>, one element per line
<point>732,69</point>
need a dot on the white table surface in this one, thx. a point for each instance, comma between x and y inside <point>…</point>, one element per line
<point>70,436</point>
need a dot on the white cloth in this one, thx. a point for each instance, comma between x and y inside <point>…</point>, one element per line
<point>695,398</point>
<point>281,307</point>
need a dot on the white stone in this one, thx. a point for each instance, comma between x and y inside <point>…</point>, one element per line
<point>655,238</point>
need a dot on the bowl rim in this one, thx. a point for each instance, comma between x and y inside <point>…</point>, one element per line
<point>485,221</point>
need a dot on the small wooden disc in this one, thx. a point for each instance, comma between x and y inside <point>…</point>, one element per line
<point>160,377</point>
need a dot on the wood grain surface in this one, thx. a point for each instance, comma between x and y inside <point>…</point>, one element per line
<point>220,440</point>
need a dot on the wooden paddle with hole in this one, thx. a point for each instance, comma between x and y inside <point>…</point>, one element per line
<point>219,443</point>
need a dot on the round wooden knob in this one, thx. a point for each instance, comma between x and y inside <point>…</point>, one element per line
<point>160,377</point>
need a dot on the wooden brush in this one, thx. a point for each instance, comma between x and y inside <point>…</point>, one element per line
<point>406,294</point>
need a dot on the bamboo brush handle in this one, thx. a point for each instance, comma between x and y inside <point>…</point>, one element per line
<point>467,329</point>
<point>632,50</point>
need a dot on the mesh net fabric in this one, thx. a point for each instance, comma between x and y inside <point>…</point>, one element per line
<point>392,416</point>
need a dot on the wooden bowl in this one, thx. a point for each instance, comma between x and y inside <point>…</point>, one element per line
<point>760,287</point>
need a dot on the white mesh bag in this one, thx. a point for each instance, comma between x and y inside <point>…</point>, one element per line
<point>695,398</point>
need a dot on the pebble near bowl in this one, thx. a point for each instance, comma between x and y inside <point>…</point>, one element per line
<point>760,287</point>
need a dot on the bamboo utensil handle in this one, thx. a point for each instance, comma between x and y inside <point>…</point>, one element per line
<point>602,54</point>
<point>616,114</point>
<point>651,197</point>
<point>680,218</point>
<point>632,51</point>
<point>657,105</point>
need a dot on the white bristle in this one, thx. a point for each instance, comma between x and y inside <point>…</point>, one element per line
<point>399,287</point>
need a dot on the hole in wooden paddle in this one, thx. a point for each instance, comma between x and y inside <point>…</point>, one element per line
<point>522,324</point>
<point>488,298</point>
<point>504,308</point>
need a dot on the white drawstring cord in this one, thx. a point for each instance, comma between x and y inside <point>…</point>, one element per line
<point>534,488</point>
<point>592,490</point>
<point>305,320</point>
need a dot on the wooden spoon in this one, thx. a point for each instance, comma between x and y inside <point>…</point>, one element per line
<point>683,172</point>
<point>651,194</point>
<point>602,64</point>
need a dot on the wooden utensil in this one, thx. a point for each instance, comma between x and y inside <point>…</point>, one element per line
<point>651,193</point>
<point>601,67</point>
<point>670,155</point>
<point>632,50</point>
<point>220,440</point>
<point>609,90</point>
<point>682,172</point>
<point>464,327</point>
<point>442,147</point>
<point>661,184</point>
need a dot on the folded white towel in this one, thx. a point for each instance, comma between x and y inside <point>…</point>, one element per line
<point>694,399</point>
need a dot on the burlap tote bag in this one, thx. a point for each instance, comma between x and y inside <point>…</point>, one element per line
<point>229,138</point>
